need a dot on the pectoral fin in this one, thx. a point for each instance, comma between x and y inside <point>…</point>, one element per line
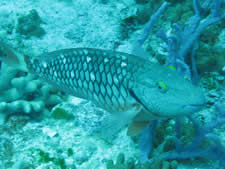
<point>137,99</point>
<point>136,127</point>
<point>112,124</point>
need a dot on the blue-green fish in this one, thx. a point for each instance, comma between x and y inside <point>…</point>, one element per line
<point>118,82</point>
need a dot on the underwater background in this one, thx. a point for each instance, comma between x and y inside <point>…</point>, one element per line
<point>42,127</point>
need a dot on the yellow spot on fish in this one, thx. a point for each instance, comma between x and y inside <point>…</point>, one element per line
<point>162,86</point>
<point>172,67</point>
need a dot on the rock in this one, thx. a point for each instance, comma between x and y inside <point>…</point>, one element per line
<point>29,25</point>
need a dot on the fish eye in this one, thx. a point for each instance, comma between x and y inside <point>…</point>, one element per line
<point>162,86</point>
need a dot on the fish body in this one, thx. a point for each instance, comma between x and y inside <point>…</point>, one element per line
<point>102,76</point>
<point>115,81</point>
<point>118,81</point>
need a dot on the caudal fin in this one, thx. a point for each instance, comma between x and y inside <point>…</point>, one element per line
<point>11,58</point>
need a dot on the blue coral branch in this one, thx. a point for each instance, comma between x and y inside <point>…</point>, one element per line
<point>194,149</point>
<point>137,46</point>
<point>194,67</point>
<point>149,25</point>
<point>216,10</point>
<point>197,7</point>
<point>146,140</point>
<point>178,47</point>
<point>180,44</point>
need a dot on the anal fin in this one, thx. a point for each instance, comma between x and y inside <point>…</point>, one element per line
<point>113,123</point>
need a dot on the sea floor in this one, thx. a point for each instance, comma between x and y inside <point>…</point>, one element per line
<point>50,142</point>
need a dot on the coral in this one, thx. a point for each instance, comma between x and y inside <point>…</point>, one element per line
<point>22,164</point>
<point>179,46</point>
<point>136,15</point>
<point>121,163</point>
<point>86,116</point>
<point>142,1</point>
<point>6,20</point>
<point>180,12</point>
<point>214,150</point>
<point>6,151</point>
<point>209,57</point>
<point>212,80</point>
<point>191,139</point>
<point>60,113</point>
<point>84,152</point>
<point>146,139</point>
<point>75,34</point>
<point>57,161</point>
<point>149,25</point>
<point>29,25</point>
<point>69,152</point>
<point>23,94</point>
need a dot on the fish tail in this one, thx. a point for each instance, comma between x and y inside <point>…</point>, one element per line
<point>12,58</point>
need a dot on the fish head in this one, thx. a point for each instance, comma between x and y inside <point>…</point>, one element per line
<point>165,93</point>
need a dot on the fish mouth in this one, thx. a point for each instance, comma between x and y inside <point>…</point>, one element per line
<point>193,107</point>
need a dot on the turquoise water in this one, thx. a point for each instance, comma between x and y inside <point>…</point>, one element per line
<point>43,125</point>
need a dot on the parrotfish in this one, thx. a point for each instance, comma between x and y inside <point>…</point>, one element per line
<point>124,84</point>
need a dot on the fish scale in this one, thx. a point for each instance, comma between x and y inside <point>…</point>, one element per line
<point>102,76</point>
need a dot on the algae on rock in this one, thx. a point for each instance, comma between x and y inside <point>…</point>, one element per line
<point>29,25</point>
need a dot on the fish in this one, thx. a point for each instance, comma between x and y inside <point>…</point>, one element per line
<point>126,85</point>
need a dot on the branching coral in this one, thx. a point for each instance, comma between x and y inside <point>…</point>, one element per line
<point>130,163</point>
<point>197,148</point>
<point>22,93</point>
<point>179,46</point>
<point>194,149</point>
<point>182,44</point>
<point>214,150</point>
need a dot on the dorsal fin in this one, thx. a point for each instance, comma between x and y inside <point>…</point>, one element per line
<point>142,58</point>
<point>48,56</point>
